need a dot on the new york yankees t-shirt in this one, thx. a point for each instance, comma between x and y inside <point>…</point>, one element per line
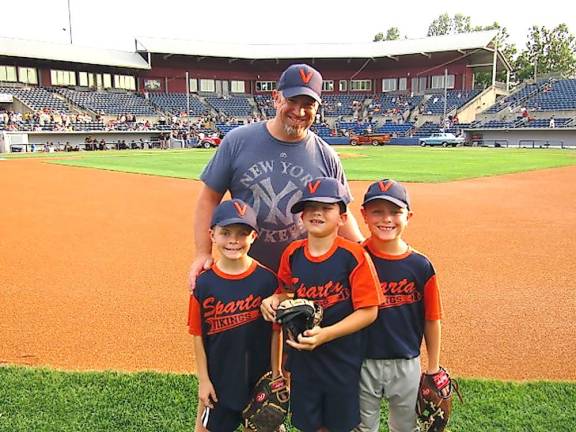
<point>270,175</point>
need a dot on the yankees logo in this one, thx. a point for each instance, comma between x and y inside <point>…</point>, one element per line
<point>264,193</point>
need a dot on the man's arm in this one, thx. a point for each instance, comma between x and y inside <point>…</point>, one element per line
<point>350,230</point>
<point>205,205</point>
<point>432,336</point>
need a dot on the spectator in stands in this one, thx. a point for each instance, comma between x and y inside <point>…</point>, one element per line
<point>267,165</point>
<point>552,123</point>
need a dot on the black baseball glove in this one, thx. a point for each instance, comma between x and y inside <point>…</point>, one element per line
<point>297,316</point>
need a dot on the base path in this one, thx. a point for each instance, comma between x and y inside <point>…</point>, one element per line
<point>93,269</point>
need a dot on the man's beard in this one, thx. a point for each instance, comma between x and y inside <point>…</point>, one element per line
<point>294,131</point>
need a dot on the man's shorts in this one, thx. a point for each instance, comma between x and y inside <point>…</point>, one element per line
<point>221,418</point>
<point>313,406</point>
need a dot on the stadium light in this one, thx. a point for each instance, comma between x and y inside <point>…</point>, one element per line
<point>70,22</point>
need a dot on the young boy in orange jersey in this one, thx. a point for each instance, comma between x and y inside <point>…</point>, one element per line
<point>411,310</point>
<point>338,274</point>
<point>233,343</point>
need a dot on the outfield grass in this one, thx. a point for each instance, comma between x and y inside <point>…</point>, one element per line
<point>41,400</point>
<point>411,164</point>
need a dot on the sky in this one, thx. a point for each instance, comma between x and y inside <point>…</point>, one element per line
<point>114,24</point>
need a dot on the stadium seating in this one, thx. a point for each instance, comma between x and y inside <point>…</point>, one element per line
<point>265,104</point>
<point>554,96</point>
<point>110,103</point>
<point>341,104</point>
<point>454,99</point>
<point>38,98</point>
<point>395,103</point>
<point>224,128</point>
<point>398,129</point>
<point>176,103</point>
<point>237,106</point>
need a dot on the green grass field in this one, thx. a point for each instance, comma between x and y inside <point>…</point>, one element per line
<point>413,164</point>
<point>40,400</point>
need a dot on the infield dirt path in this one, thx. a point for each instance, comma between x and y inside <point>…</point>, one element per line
<point>93,269</point>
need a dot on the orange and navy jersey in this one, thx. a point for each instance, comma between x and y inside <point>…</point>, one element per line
<point>341,281</point>
<point>225,311</point>
<point>411,296</point>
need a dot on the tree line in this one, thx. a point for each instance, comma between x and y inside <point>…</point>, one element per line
<point>546,51</point>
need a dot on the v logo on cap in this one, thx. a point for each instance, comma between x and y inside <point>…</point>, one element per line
<point>240,209</point>
<point>306,77</point>
<point>385,186</point>
<point>313,187</point>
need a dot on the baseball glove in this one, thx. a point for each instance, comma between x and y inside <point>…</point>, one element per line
<point>297,316</point>
<point>434,402</point>
<point>268,406</point>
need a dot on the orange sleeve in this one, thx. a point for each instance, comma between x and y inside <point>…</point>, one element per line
<point>194,319</point>
<point>284,270</point>
<point>364,282</point>
<point>432,302</point>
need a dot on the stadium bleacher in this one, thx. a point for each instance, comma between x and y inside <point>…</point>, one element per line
<point>110,103</point>
<point>38,98</point>
<point>554,96</point>
<point>341,104</point>
<point>454,100</point>
<point>237,106</point>
<point>176,103</point>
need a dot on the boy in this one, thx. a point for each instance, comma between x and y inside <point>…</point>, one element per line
<point>231,339</point>
<point>411,310</point>
<point>338,274</point>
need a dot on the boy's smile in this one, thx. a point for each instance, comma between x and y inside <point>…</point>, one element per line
<point>233,241</point>
<point>321,219</point>
<point>386,220</point>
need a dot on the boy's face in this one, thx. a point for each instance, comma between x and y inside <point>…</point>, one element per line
<point>322,219</point>
<point>386,220</point>
<point>233,241</point>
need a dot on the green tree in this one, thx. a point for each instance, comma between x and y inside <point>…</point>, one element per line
<point>440,26</point>
<point>547,51</point>
<point>393,33</point>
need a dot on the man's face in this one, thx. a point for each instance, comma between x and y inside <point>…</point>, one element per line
<point>296,114</point>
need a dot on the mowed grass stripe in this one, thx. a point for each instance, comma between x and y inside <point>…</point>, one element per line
<point>410,164</point>
<point>42,400</point>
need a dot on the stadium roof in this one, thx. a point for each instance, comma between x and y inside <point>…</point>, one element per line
<point>70,53</point>
<point>428,45</point>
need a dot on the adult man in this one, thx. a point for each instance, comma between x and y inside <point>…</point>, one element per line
<point>267,165</point>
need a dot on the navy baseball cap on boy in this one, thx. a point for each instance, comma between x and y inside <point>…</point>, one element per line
<point>301,79</point>
<point>389,190</point>
<point>234,211</point>
<point>324,190</point>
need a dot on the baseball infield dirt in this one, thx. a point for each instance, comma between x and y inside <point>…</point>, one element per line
<point>93,269</point>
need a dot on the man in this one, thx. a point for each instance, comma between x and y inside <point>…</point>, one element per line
<point>267,165</point>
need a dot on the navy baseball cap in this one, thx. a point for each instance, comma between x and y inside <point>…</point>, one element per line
<point>324,190</point>
<point>234,211</point>
<point>301,79</point>
<point>389,190</point>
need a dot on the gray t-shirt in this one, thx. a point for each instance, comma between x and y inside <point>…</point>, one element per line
<point>270,175</point>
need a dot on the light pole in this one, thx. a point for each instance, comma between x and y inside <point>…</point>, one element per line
<point>70,22</point>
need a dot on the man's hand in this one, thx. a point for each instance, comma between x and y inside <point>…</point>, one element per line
<point>309,340</point>
<point>200,263</point>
